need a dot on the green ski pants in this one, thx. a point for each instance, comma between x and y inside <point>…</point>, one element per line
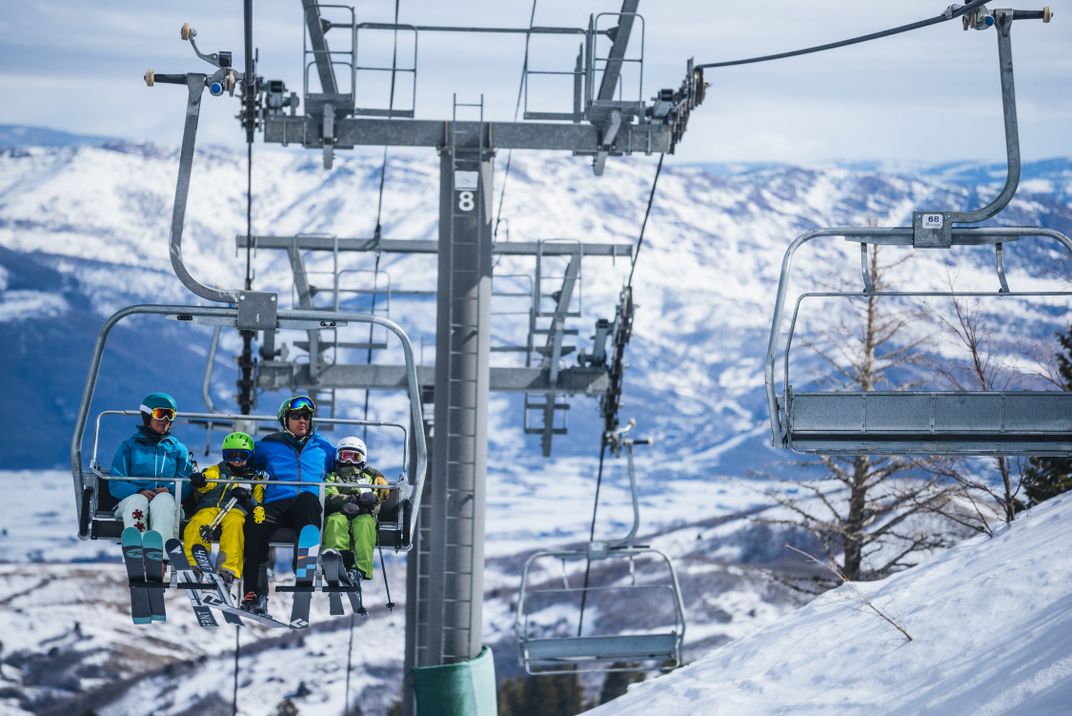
<point>357,535</point>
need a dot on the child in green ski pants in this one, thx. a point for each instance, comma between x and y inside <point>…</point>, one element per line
<point>351,507</point>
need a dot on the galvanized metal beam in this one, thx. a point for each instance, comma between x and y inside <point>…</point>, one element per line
<point>360,131</point>
<point>431,246</point>
<point>277,376</point>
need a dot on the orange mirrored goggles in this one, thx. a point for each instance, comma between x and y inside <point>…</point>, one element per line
<point>162,414</point>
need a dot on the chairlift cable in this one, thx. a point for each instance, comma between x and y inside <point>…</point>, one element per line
<point>390,110</point>
<point>378,232</point>
<point>248,99</point>
<point>604,438</point>
<point>517,110</point>
<point>246,389</point>
<point>592,531</point>
<point>587,561</point>
<point>951,12</point>
<point>647,213</point>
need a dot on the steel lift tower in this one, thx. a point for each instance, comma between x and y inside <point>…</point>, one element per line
<point>445,571</point>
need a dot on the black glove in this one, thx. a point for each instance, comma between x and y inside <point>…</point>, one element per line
<point>366,501</point>
<point>350,509</point>
<point>197,480</point>
<point>241,494</point>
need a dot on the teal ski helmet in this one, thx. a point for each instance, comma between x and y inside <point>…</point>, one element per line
<point>157,405</point>
<point>296,404</point>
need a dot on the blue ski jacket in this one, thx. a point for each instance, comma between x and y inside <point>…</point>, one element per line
<point>286,458</point>
<point>146,454</point>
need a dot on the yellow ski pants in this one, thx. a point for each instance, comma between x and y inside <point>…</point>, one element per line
<point>232,537</point>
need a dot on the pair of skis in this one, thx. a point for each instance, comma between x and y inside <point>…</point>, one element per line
<point>336,580</point>
<point>143,555</point>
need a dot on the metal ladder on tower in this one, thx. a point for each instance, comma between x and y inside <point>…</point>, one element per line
<point>543,409</point>
<point>460,534</point>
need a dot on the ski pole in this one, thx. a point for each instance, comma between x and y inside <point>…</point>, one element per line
<point>210,529</point>
<point>387,587</point>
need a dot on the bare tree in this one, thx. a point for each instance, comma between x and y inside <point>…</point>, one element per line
<point>862,512</point>
<point>969,330</point>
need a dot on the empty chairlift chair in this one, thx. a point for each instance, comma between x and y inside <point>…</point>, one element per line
<point>856,422</point>
<point>1010,422</point>
<point>635,585</point>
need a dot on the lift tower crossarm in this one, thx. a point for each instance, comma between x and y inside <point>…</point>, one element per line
<point>428,246</point>
<point>359,131</point>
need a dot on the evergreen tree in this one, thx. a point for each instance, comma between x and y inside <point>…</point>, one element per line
<point>617,682</point>
<point>1048,477</point>
<point>540,696</point>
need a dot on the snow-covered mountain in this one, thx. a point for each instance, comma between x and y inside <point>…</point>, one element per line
<point>83,232</point>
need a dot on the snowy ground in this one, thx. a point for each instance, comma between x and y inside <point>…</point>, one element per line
<point>83,652</point>
<point>991,628</point>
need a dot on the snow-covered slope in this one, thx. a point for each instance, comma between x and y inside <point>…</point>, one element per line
<point>991,628</point>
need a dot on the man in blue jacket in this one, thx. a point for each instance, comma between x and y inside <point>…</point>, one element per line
<point>151,452</point>
<point>295,454</point>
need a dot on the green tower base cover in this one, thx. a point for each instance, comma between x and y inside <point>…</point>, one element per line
<point>463,689</point>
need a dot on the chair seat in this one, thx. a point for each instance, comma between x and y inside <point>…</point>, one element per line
<point>633,647</point>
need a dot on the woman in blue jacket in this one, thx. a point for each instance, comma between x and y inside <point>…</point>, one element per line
<point>150,452</point>
<point>295,454</point>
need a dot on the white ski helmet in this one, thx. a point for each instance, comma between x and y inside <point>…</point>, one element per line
<point>351,451</point>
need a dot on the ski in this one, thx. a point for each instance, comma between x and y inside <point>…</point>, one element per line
<point>185,573</point>
<point>153,559</point>
<point>140,611</point>
<point>240,614</point>
<point>354,593</point>
<point>221,597</point>
<point>308,549</point>
<point>331,563</point>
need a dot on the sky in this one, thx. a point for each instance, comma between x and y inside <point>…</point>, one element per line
<point>930,95</point>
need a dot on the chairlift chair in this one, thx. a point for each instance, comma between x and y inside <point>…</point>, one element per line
<point>93,502</point>
<point>543,651</point>
<point>856,422</point>
<point>1005,422</point>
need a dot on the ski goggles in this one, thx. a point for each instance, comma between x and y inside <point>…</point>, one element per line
<point>350,457</point>
<point>161,414</point>
<point>237,455</point>
<point>299,404</point>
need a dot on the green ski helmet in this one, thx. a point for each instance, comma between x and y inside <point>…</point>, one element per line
<point>296,404</point>
<point>237,441</point>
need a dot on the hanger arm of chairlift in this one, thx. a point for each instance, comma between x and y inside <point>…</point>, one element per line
<point>1003,28</point>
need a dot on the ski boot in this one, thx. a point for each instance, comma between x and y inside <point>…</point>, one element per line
<point>228,580</point>
<point>255,603</point>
